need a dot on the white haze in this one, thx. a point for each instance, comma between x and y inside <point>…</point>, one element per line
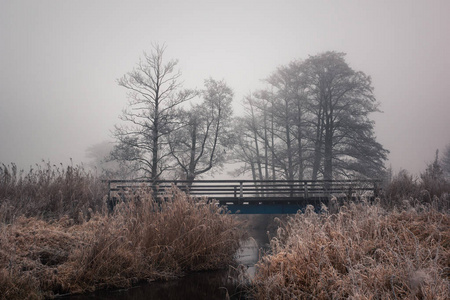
<point>59,61</point>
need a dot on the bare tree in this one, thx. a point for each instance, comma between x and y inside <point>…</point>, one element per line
<point>154,93</point>
<point>256,136</point>
<point>245,151</point>
<point>289,112</point>
<point>205,135</point>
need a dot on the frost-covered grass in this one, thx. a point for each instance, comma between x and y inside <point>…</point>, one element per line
<point>361,252</point>
<point>49,192</point>
<point>396,248</point>
<point>50,246</point>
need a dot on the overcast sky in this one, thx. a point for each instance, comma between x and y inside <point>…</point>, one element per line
<point>59,62</point>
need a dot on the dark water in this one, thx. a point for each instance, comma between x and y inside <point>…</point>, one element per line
<point>223,284</point>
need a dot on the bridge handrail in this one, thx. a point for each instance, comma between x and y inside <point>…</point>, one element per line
<point>239,180</point>
<point>241,188</point>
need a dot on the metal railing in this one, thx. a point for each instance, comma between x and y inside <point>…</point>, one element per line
<point>229,190</point>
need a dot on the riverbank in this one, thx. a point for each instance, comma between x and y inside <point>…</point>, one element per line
<point>230,283</point>
<point>141,241</point>
<point>361,252</point>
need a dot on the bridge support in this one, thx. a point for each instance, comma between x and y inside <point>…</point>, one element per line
<point>246,209</point>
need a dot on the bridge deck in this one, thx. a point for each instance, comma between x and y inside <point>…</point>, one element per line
<point>247,195</point>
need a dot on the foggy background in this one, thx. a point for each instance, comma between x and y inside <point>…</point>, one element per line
<point>59,61</point>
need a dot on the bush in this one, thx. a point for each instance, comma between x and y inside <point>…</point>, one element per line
<point>403,186</point>
<point>432,188</point>
<point>433,182</point>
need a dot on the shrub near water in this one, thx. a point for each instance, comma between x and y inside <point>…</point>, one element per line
<point>432,188</point>
<point>141,240</point>
<point>362,252</point>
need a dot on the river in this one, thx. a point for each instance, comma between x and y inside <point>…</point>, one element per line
<point>222,284</point>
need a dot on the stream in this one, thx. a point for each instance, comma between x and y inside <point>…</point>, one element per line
<point>222,284</point>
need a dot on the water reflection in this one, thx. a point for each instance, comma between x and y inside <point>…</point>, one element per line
<point>205,285</point>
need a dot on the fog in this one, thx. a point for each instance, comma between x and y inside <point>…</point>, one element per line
<point>59,62</point>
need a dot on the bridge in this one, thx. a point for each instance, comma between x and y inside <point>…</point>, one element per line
<point>257,196</point>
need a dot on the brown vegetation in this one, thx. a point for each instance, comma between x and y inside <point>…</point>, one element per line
<point>432,188</point>
<point>49,192</point>
<point>397,248</point>
<point>87,249</point>
<point>362,252</point>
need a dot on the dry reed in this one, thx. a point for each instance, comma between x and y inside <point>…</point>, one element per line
<point>362,252</point>
<point>430,188</point>
<point>49,192</point>
<point>143,240</point>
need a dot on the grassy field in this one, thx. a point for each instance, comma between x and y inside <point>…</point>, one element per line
<point>56,236</point>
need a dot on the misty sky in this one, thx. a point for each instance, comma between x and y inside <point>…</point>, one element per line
<point>59,62</point>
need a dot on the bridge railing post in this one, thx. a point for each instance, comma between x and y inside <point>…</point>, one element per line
<point>109,191</point>
<point>241,189</point>
<point>350,193</point>
<point>305,189</point>
<point>376,189</point>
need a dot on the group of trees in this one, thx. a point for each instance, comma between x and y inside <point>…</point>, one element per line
<point>161,132</point>
<point>310,121</point>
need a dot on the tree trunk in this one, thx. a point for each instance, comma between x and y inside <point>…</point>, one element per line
<point>154,175</point>
<point>318,146</point>
<point>290,168</point>
<point>190,176</point>
<point>328,157</point>
<point>255,137</point>
<point>328,151</point>
<point>273,147</point>
<point>266,148</point>
<point>300,156</point>
<point>190,180</point>
<point>299,141</point>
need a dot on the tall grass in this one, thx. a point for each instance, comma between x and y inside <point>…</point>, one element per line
<point>397,248</point>
<point>362,252</point>
<point>75,246</point>
<point>49,191</point>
